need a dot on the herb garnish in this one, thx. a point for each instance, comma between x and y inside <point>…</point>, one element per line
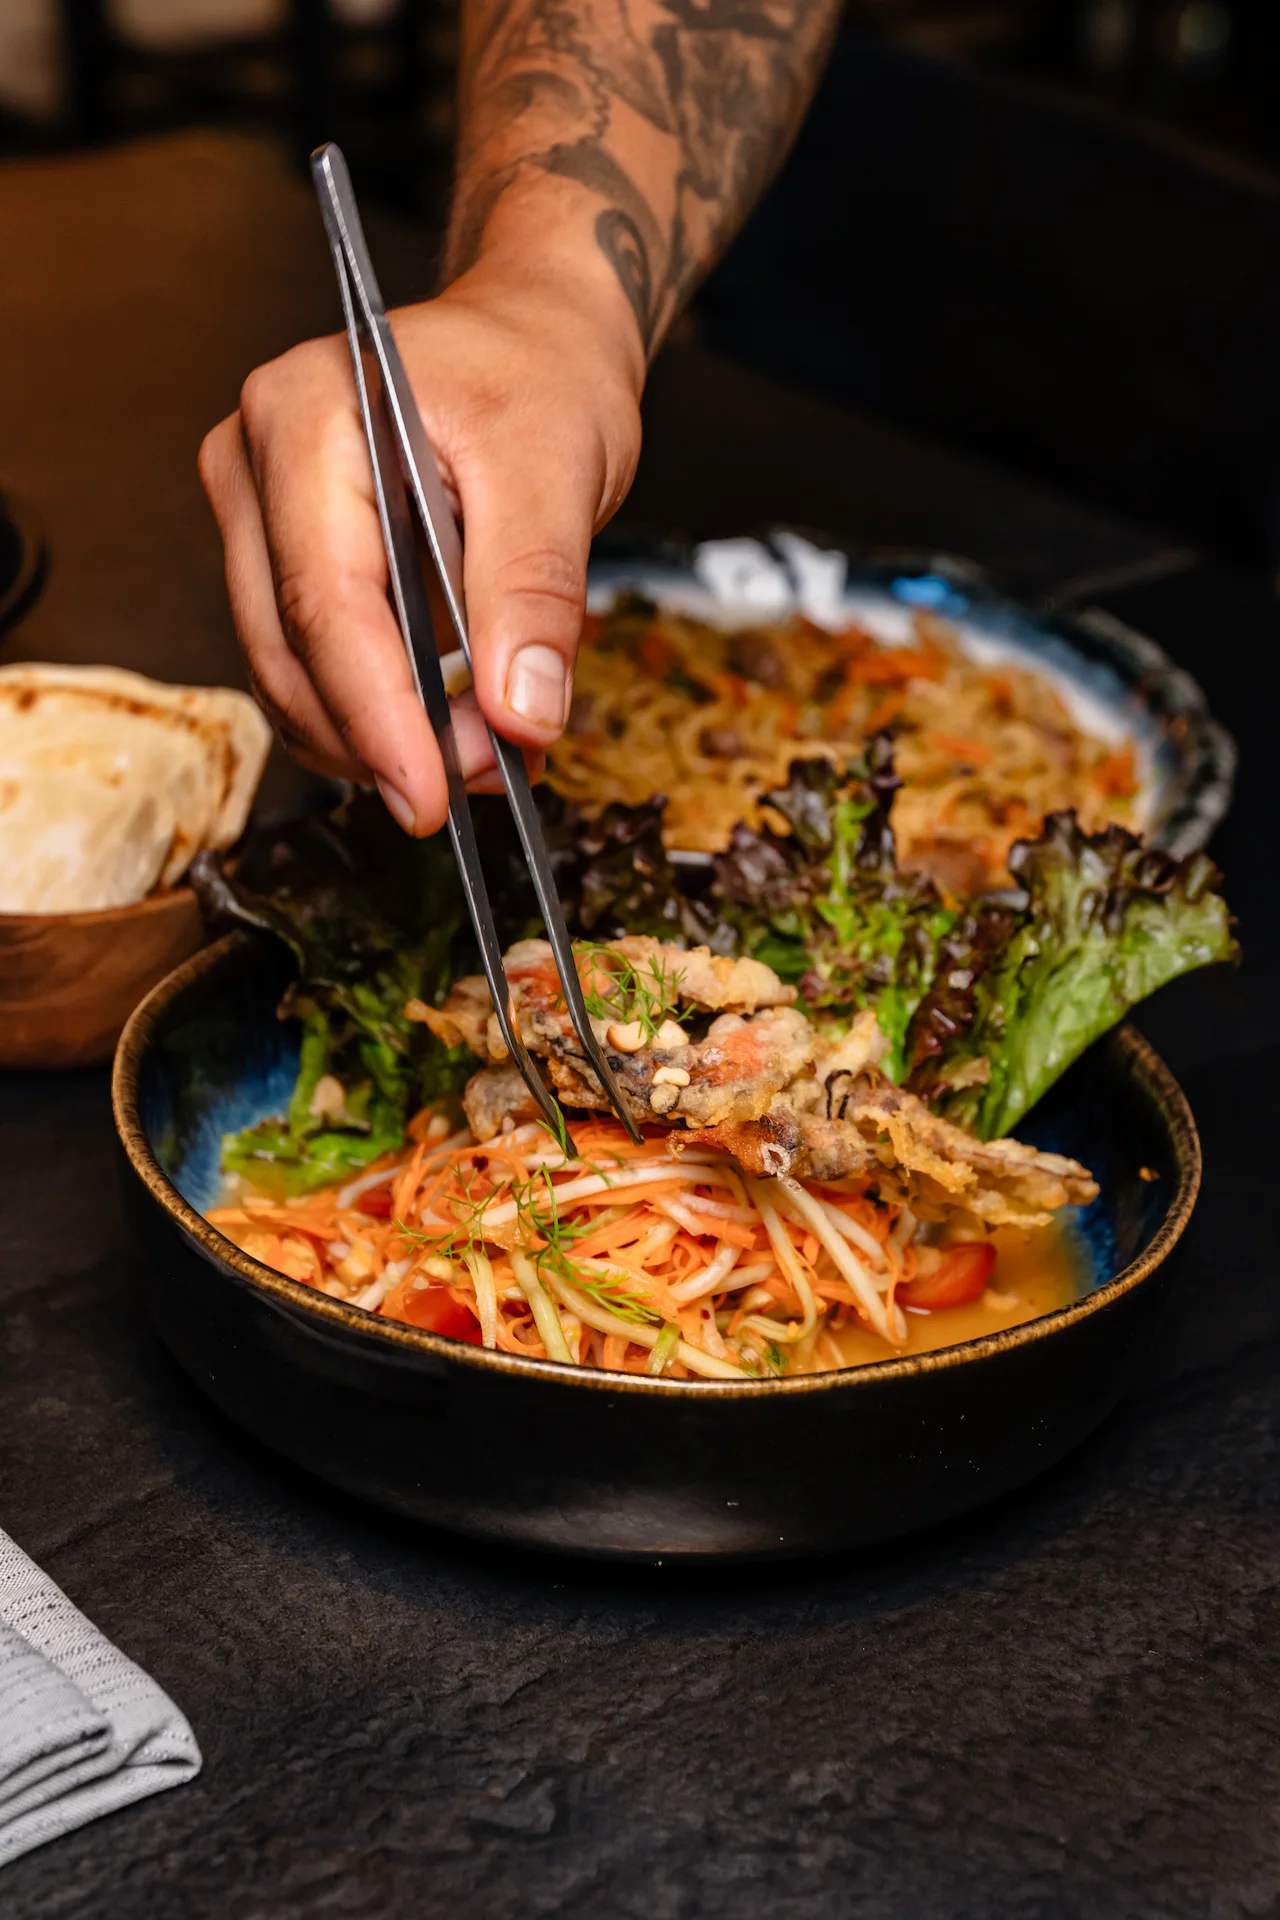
<point>616,989</point>
<point>555,1252</point>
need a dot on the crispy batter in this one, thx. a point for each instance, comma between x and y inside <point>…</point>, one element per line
<point>875,1127</point>
<point>733,1076</point>
<point>464,1017</point>
<point>731,1079</point>
<point>733,1072</point>
<point>765,1146</point>
<point>695,978</point>
<point>838,1065</point>
<point>493,1095</point>
<point>1004,1182</point>
<point>764,1086</point>
<point>701,978</point>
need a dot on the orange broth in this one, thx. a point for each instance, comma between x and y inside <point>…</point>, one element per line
<point>1035,1273</point>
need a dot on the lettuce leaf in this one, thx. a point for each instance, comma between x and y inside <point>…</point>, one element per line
<point>616,876</point>
<point>1106,922</point>
<point>374,920</point>
<point>826,906</point>
<point>985,1003</point>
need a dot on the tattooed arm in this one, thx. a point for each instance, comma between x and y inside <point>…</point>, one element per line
<point>668,117</point>
<point>608,151</point>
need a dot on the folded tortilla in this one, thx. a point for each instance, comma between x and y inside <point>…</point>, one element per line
<point>110,783</point>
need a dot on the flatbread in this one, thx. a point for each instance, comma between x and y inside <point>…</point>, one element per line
<point>112,783</point>
<point>69,845</point>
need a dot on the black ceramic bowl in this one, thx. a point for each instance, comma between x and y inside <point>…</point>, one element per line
<point>621,1466</point>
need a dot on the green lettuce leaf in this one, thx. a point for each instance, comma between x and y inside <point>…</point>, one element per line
<point>1106,922</point>
<point>374,920</point>
<point>615,876</point>
<point>826,906</point>
<point>984,1002</point>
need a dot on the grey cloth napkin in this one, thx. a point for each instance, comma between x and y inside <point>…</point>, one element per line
<point>82,1730</point>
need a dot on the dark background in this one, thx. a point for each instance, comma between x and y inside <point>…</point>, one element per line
<point>1023,263</point>
<point>1047,231</point>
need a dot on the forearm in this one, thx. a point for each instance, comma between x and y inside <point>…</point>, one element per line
<point>630,136</point>
<point>609,150</point>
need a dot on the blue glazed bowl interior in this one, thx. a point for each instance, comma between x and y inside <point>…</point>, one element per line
<point>227,1061</point>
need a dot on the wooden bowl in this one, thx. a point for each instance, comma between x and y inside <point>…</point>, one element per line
<point>69,981</point>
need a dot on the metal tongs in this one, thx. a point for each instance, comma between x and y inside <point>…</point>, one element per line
<point>429,600</point>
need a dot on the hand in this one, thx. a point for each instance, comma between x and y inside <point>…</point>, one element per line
<point>530,396</point>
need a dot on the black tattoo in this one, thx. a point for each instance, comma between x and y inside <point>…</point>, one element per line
<point>706,94</point>
<point>622,244</point>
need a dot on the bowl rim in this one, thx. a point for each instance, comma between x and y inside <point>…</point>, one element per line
<point>342,1319</point>
<point>182,894</point>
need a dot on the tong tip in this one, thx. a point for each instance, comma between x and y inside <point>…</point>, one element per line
<point>613,1092</point>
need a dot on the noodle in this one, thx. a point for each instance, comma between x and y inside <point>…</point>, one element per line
<point>665,704</point>
<point>513,1246</point>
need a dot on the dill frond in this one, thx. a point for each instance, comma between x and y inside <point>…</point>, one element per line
<point>535,1203</point>
<point>647,994</point>
<point>467,1237</point>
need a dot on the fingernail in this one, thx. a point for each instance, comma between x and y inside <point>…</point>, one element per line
<point>538,687</point>
<point>397,806</point>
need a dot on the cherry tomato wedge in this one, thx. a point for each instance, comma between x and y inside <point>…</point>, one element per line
<point>376,1203</point>
<point>436,1311</point>
<point>958,1279</point>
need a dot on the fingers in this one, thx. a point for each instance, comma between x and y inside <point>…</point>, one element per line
<point>475,749</point>
<point>290,484</point>
<point>277,676</point>
<point>311,472</point>
<point>528,519</point>
<point>279,682</point>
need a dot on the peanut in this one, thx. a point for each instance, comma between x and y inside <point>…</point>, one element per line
<point>626,1035</point>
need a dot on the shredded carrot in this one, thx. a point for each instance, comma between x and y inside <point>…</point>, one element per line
<point>616,1233</point>
<point>610,1197</point>
<point>615,1352</point>
<point>788,713</point>
<point>839,711</point>
<point>608,1265</point>
<point>656,652</point>
<point>892,665</point>
<point>885,712</point>
<point>894,1258</point>
<point>945,811</point>
<point>1117,777</point>
<point>729,686</point>
<point>974,753</point>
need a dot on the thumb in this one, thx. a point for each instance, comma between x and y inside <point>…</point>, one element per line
<point>525,574</point>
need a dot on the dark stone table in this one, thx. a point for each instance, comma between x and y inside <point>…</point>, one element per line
<point>1067,1705</point>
